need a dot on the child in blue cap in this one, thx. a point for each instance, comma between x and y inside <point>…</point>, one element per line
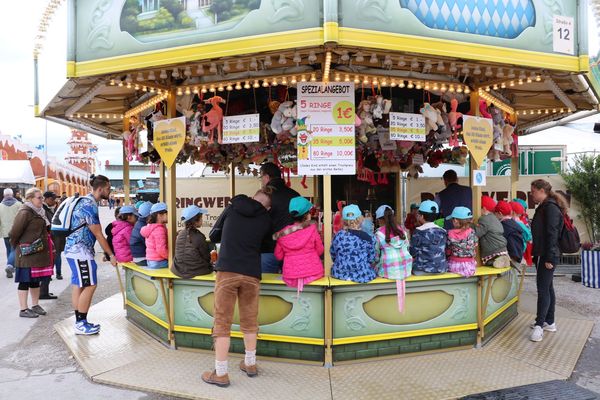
<point>353,250</point>
<point>155,232</point>
<point>192,256</point>
<point>300,247</point>
<point>462,243</point>
<point>137,243</point>
<point>428,242</point>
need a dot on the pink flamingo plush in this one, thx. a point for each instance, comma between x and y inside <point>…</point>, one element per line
<point>214,119</point>
<point>453,117</point>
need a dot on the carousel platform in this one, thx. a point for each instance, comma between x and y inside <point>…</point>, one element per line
<point>124,355</point>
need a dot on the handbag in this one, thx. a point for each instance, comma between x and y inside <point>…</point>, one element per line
<point>31,248</point>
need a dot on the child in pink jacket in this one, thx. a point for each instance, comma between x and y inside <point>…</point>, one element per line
<point>300,247</point>
<point>121,233</point>
<point>155,232</point>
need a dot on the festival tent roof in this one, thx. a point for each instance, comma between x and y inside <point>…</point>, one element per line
<point>15,172</point>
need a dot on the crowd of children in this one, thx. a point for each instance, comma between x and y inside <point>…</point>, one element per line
<point>360,253</point>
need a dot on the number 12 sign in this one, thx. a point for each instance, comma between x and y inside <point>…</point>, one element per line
<point>563,35</point>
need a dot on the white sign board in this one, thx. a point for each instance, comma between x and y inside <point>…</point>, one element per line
<point>326,141</point>
<point>241,128</point>
<point>405,126</point>
<point>479,178</point>
<point>563,34</point>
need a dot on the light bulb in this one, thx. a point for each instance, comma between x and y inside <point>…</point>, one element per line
<point>229,88</point>
<point>297,58</point>
<point>512,83</point>
<point>239,65</point>
<point>203,90</point>
<point>179,92</point>
<point>477,70</point>
<point>226,67</point>
<point>410,85</point>
<point>345,56</point>
<point>255,85</point>
<point>465,69</point>
<point>459,89</point>
<point>359,57</point>
<point>451,89</point>
<point>303,78</point>
<point>387,61</point>
<point>488,72</point>
<point>112,82</point>
<point>538,78</point>
<point>282,60</point>
<point>246,85</point>
<point>414,63</point>
<point>265,83</point>
<point>268,61</point>
<point>373,59</point>
<point>440,66</point>
<point>511,73</point>
<point>495,86</point>
<point>284,81</point>
<point>253,63</point>
<point>313,77</point>
<point>467,90</point>
<point>500,73</point>
<point>213,68</point>
<point>220,88</point>
<point>136,87</point>
<point>188,91</point>
<point>453,68</point>
<point>418,86</point>
<point>312,57</point>
<point>187,72</point>
<point>435,86</point>
<point>163,74</point>
<point>144,89</point>
<point>346,78</point>
<point>443,88</point>
<point>293,81</point>
<point>140,77</point>
<point>274,82</point>
<point>238,86</point>
<point>401,62</point>
<point>195,90</point>
<point>212,89</point>
<point>175,73</point>
<point>337,77</point>
<point>520,81</point>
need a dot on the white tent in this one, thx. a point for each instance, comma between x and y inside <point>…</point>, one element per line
<point>14,172</point>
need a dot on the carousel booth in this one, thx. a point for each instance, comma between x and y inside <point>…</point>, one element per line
<point>356,95</point>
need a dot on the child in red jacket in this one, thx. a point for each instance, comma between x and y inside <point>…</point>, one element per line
<point>121,233</point>
<point>299,246</point>
<point>155,232</point>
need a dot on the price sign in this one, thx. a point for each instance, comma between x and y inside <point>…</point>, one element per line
<point>241,128</point>
<point>326,141</point>
<point>405,126</point>
<point>563,34</point>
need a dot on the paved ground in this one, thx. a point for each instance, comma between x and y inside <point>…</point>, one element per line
<point>35,364</point>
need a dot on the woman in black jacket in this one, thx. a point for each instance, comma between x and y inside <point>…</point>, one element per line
<point>546,226</point>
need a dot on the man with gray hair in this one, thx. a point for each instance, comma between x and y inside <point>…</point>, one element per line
<point>8,211</point>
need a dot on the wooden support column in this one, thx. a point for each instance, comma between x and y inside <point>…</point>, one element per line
<point>316,199</point>
<point>171,181</point>
<point>126,189</point>
<point>476,190</point>
<point>399,198</point>
<point>161,182</point>
<point>232,181</point>
<point>514,177</point>
<point>327,222</point>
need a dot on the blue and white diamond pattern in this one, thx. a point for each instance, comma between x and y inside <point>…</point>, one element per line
<point>499,18</point>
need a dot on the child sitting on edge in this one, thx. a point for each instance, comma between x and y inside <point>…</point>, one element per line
<point>299,246</point>
<point>109,235</point>
<point>512,232</point>
<point>155,232</point>
<point>520,217</point>
<point>352,250</point>
<point>462,243</point>
<point>393,260</point>
<point>137,243</point>
<point>428,243</point>
<point>121,233</point>
<point>489,230</point>
<point>192,256</point>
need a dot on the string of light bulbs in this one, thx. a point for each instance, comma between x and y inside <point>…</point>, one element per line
<point>150,103</point>
<point>496,101</point>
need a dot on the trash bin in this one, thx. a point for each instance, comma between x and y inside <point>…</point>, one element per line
<point>590,268</point>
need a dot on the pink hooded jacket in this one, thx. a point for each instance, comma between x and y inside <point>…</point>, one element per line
<point>300,248</point>
<point>121,231</point>
<point>156,242</point>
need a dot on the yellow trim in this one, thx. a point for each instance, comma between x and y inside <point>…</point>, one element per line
<point>584,63</point>
<point>147,314</point>
<point>71,67</point>
<point>500,310</point>
<point>400,335</point>
<point>454,49</point>
<point>331,32</point>
<point>261,336</point>
<point>202,51</point>
<point>36,110</point>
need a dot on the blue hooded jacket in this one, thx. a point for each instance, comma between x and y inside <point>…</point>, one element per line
<point>137,241</point>
<point>353,253</point>
<point>428,248</point>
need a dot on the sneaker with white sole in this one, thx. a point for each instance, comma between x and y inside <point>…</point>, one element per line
<point>547,327</point>
<point>84,328</point>
<point>538,334</point>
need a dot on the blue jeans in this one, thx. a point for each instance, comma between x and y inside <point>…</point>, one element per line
<point>152,264</point>
<point>10,252</point>
<point>270,264</point>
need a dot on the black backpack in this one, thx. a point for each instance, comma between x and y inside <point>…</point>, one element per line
<point>568,240</point>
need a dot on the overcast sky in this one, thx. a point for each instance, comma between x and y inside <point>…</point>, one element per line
<point>18,24</point>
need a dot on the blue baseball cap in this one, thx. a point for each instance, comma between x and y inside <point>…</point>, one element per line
<point>351,212</point>
<point>144,209</point>
<point>460,213</point>
<point>429,207</point>
<point>381,210</point>
<point>128,210</point>
<point>158,207</point>
<point>191,211</point>
<point>299,206</point>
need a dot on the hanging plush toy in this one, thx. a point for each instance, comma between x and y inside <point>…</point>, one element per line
<point>453,117</point>
<point>213,120</point>
<point>283,123</point>
<point>483,109</point>
<point>507,140</point>
<point>367,126</point>
<point>132,139</point>
<point>195,129</point>
<point>498,123</point>
<point>445,131</point>
<point>433,118</point>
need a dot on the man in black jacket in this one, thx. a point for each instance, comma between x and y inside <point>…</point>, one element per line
<point>281,195</point>
<point>243,229</point>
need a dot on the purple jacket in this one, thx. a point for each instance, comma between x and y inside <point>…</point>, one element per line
<point>121,232</point>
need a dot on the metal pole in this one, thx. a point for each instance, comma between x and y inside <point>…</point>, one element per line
<point>46,157</point>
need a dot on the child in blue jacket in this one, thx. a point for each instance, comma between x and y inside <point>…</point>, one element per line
<point>137,242</point>
<point>428,242</point>
<point>353,250</point>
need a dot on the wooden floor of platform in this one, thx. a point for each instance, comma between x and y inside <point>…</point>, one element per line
<point>123,355</point>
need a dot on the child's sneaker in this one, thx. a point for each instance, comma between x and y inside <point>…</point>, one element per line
<point>538,334</point>
<point>546,327</point>
<point>84,328</point>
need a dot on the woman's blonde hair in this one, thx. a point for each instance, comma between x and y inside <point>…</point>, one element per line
<point>464,223</point>
<point>30,193</point>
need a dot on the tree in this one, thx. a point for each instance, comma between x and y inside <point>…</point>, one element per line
<point>583,181</point>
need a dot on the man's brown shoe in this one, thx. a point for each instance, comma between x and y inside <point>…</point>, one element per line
<point>250,370</point>
<point>212,378</point>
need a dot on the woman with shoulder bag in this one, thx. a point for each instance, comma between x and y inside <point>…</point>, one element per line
<point>30,238</point>
<point>546,226</point>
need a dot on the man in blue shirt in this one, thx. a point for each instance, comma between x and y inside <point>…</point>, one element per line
<point>79,252</point>
<point>454,195</point>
